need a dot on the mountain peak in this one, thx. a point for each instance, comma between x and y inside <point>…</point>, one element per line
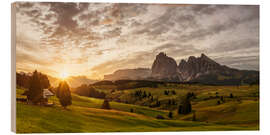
<point>191,59</point>
<point>161,55</point>
<point>163,66</point>
<point>203,55</point>
<point>196,66</point>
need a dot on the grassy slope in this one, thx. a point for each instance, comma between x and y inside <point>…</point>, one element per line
<point>84,116</point>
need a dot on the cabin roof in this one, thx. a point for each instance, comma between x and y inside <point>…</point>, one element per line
<point>47,93</point>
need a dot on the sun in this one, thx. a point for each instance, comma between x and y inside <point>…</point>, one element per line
<point>64,75</point>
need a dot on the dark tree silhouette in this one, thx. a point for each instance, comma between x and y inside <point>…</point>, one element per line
<point>149,94</point>
<point>144,94</point>
<point>231,95</point>
<point>222,98</point>
<point>152,98</point>
<point>166,92</point>
<point>35,89</point>
<point>157,103</point>
<point>45,83</point>
<point>194,116</point>
<point>185,105</point>
<point>173,102</point>
<point>180,109</point>
<point>217,94</point>
<point>170,115</point>
<point>63,93</point>
<point>106,104</point>
<point>191,95</point>
<point>169,102</point>
<point>23,80</point>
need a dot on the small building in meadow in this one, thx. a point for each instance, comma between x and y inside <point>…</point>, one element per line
<point>46,95</point>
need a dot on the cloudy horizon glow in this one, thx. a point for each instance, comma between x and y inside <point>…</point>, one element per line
<point>94,39</point>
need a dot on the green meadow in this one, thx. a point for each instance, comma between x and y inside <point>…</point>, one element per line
<point>85,115</point>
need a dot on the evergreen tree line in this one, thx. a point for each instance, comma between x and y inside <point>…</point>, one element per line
<point>143,94</point>
<point>23,80</point>
<point>167,92</point>
<point>35,83</point>
<point>89,91</point>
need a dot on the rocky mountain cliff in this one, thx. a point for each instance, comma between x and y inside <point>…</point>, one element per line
<point>196,69</point>
<point>164,67</point>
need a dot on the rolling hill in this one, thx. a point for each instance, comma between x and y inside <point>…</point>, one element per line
<point>85,115</point>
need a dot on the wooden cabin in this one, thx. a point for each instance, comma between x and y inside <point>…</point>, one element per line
<point>46,95</point>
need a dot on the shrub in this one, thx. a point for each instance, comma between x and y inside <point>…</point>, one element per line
<point>191,95</point>
<point>222,98</point>
<point>157,103</point>
<point>166,92</point>
<point>106,104</point>
<point>194,116</point>
<point>218,102</point>
<point>217,94</point>
<point>231,95</point>
<point>149,94</point>
<point>160,117</point>
<point>131,110</point>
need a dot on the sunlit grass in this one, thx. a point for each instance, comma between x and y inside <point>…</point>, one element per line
<point>85,115</point>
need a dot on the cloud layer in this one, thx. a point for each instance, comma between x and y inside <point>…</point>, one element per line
<point>94,39</point>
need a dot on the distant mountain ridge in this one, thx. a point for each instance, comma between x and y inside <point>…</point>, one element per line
<point>129,74</point>
<point>196,69</point>
<point>73,81</point>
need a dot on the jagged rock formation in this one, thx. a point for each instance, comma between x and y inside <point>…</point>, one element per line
<point>164,67</point>
<point>196,69</point>
<point>199,69</point>
<point>131,74</point>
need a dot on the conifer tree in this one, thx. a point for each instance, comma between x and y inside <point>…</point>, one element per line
<point>35,90</point>
<point>170,115</point>
<point>63,93</point>
<point>231,95</point>
<point>185,106</point>
<point>179,109</point>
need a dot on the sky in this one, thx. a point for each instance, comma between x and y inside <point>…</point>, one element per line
<point>94,39</point>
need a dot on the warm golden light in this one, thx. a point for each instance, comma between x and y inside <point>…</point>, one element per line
<point>63,75</point>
